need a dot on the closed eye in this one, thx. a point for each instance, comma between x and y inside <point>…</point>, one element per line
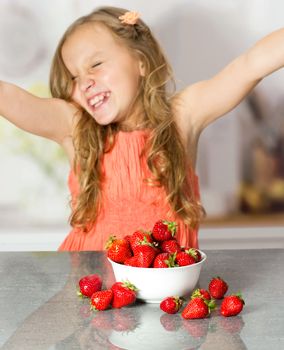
<point>97,64</point>
<point>93,66</point>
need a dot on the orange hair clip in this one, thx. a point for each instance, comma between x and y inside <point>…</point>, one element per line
<point>130,17</point>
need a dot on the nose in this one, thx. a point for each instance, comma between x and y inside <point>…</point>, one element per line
<point>86,83</point>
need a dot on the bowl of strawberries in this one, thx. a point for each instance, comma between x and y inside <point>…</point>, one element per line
<point>155,262</point>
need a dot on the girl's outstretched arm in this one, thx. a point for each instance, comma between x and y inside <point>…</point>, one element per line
<point>47,117</point>
<point>207,100</point>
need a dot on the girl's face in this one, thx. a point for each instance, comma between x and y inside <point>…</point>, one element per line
<point>106,76</point>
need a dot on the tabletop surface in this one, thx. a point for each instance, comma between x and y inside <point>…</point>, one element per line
<point>39,308</point>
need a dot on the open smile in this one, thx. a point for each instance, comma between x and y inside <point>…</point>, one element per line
<point>98,100</point>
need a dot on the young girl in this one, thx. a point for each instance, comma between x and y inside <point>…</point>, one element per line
<point>131,144</point>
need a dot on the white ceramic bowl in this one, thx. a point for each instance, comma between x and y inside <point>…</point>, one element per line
<point>155,284</point>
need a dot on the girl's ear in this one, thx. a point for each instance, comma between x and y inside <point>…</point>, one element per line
<point>142,70</point>
<point>141,63</point>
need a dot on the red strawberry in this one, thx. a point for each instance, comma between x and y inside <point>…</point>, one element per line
<point>139,236</point>
<point>164,230</point>
<point>145,254</point>
<point>89,285</point>
<point>184,259</point>
<point>165,260</point>
<point>118,249</point>
<point>201,293</point>
<point>194,252</point>
<point>232,305</point>
<point>127,238</point>
<point>198,308</point>
<point>171,305</point>
<point>101,300</point>
<point>131,261</point>
<point>124,293</point>
<point>218,287</point>
<point>170,246</point>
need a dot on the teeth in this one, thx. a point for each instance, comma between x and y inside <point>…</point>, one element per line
<point>98,98</point>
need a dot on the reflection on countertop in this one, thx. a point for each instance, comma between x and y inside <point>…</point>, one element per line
<point>40,309</point>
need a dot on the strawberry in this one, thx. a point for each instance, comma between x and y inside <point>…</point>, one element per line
<point>118,249</point>
<point>171,305</point>
<point>184,259</point>
<point>124,293</point>
<point>217,287</point>
<point>198,308</point>
<point>165,260</point>
<point>201,293</point>
<point>164,230</point>
<point>139,236</point>
<point>127,238</point>
<point>194,252</point>
<point>89,285</point>
<point>232,305</point>
<point>131,261</point>
<point>145,254</point>
<point>101,300</point>
<point>170,246</point>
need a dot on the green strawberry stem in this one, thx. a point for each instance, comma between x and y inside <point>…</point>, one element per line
<point>129,285</point>
<point>171,262</point>
<point>239,295</point>
<point>145,242</point>
<point>93,308</point>
<point>109,242</point>
<point>172,226</point>
<point>80,295</point>
<point>211,304</point>
<point>192,252</point>
<point>196,294</point>
<point>178,301</point>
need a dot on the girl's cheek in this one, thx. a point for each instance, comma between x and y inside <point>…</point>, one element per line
<point>104,77</point>
<point>75,95</point>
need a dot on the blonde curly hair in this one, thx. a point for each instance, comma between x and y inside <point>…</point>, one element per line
<point>165,151</point>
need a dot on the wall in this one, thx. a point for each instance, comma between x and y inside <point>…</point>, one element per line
<point>199,37</point>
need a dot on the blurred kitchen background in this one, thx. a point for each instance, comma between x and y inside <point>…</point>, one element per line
<point>241,156</point>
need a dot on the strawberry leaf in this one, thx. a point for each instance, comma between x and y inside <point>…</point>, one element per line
<point>129,285</point>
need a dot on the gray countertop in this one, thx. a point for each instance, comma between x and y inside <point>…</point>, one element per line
<point>39,308</point>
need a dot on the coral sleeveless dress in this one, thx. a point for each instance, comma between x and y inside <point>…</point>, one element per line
<point>128,202</point>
